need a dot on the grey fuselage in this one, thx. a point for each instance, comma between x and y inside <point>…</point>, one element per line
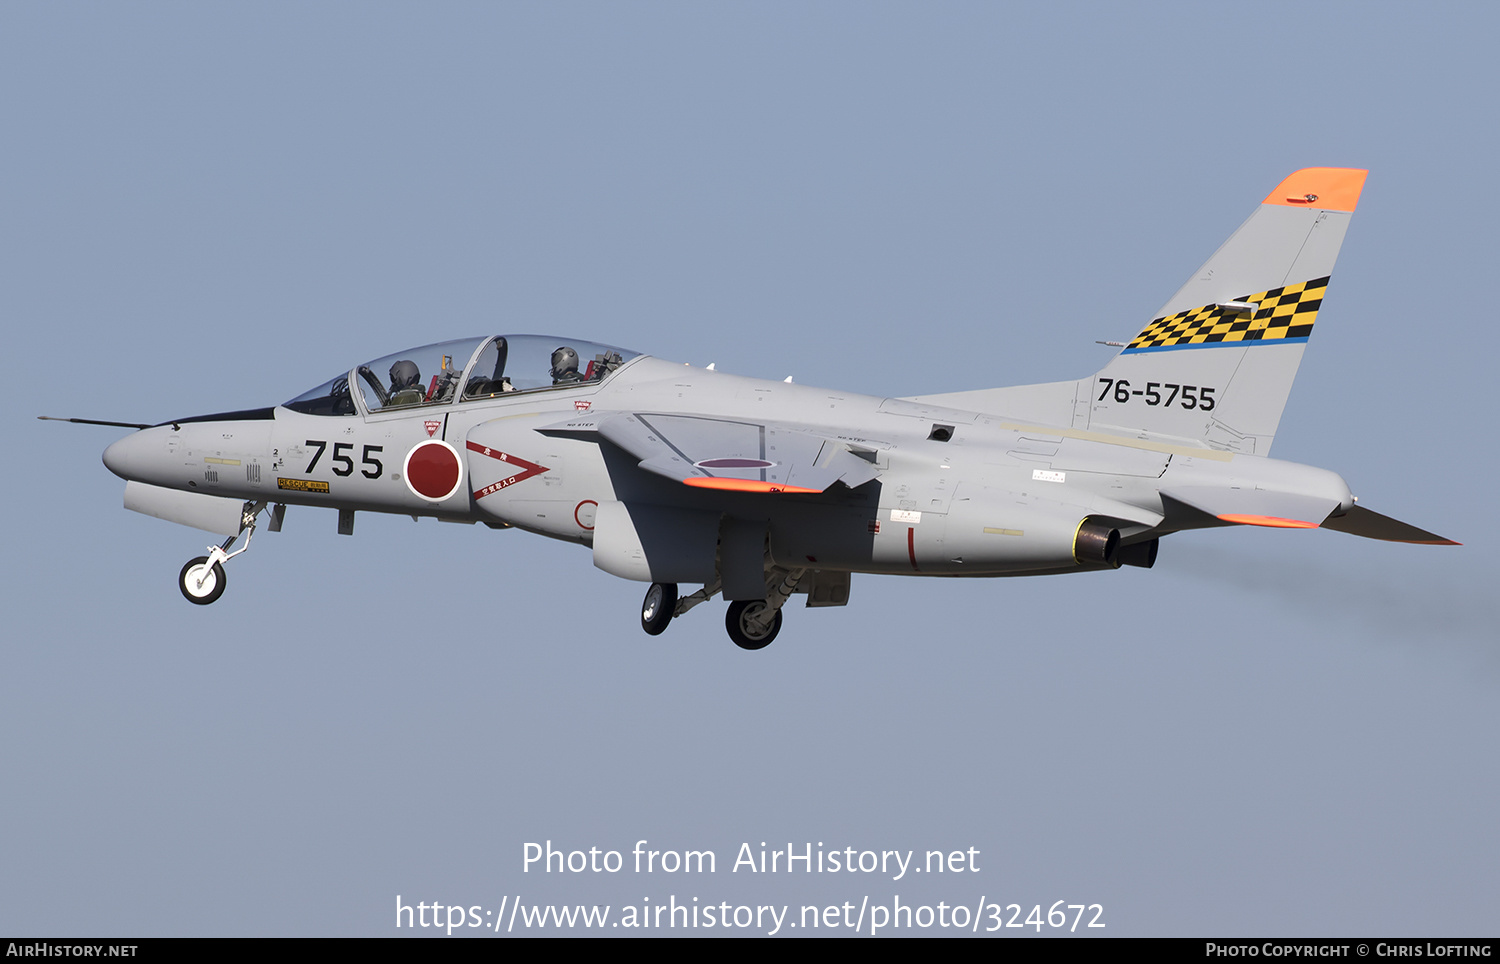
<point>958,492</point>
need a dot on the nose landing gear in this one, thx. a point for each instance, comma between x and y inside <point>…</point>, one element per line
<point>202,580</point>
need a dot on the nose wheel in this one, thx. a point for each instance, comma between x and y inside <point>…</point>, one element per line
<point>202,581</point>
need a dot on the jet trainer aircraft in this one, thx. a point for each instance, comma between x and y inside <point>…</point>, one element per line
<point>760,490</point>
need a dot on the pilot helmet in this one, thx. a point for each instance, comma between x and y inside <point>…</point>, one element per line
<point>404,374</point>
<point>564,360</point>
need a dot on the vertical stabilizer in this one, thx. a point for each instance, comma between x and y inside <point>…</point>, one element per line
<point>1217,362</point>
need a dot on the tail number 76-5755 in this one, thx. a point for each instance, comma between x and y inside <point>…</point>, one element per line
<point>1188,396</point>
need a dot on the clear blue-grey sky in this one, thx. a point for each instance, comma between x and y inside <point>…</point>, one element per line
<point>211,207</point>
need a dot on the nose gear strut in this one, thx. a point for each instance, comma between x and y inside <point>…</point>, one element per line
<point>202,580</point>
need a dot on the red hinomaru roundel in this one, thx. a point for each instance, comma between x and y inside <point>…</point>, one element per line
<point>433,470</point>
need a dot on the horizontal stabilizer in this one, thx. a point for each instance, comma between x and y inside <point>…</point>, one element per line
<point>1256,507</point>
<point>1360,521</point>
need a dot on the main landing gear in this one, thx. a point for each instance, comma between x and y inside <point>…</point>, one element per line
<point>751,623</point>
<point>202,580</point>
<point>657,608</point>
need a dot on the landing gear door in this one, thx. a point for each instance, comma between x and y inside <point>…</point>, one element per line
<point>211,513</point>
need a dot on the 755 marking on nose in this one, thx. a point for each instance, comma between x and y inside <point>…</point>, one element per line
<point>372,466</point>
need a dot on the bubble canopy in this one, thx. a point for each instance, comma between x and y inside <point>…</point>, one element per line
<point>464,370</point>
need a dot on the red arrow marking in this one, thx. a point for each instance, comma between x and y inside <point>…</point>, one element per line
<point>528,469</point>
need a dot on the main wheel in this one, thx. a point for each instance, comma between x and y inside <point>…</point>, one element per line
<point>657,607</point>
<point>213,581</point>
<point>745,636</point>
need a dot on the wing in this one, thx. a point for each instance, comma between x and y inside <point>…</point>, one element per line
<point>731,454</point>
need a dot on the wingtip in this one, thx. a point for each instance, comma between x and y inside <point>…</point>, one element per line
<point>1325,188</point>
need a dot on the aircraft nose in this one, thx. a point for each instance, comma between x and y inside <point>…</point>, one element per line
<point>129,457</point>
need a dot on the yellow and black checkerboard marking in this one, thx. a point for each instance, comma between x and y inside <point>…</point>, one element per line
<point>1287,312</point>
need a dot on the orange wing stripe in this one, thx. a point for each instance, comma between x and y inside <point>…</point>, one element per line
<point>744,485</point>
<point>1274,522</point>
